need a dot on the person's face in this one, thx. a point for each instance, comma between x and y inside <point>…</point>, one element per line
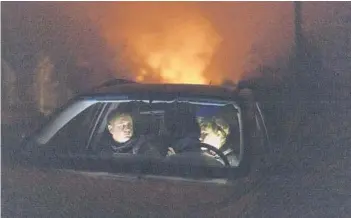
<point>121,128</point>
<point>212,135</point>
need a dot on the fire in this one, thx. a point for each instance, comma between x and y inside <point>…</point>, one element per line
<point>180,53</point>
<point>191,42</point>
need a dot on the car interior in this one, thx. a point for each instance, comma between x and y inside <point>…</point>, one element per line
<point>181,131</point>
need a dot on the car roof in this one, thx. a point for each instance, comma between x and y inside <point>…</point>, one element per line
<point>171,90</point>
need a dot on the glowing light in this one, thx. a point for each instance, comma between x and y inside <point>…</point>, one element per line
<point>178,54</point>
<point>141,76</point>
<point>213,139</point>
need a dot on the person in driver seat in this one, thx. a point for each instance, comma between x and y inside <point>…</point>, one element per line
<point>123,137</point>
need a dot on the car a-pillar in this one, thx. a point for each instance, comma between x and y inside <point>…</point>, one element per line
<point>247,104</point>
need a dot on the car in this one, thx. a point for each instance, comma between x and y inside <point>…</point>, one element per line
<point>202,133</point>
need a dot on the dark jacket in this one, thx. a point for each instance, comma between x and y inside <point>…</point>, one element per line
<point>145,145</point>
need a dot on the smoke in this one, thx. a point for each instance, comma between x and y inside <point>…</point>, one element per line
<point>188,42</point>
<point>234,37</point>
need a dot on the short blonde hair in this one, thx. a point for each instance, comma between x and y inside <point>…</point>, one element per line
<point>115,114</point>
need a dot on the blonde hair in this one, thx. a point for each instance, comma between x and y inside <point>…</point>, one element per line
<point>115,114</point>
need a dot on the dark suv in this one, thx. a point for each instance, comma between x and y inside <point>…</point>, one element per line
<point>194,132</point>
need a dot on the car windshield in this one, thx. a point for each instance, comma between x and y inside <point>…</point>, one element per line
<point>187,132</point>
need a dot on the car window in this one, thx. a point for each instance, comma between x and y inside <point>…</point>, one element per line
<point>74,135</point>
<point>170,131</point>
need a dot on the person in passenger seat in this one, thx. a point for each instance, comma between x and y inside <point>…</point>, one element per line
<point>183,129</point>
<point>123,137</point>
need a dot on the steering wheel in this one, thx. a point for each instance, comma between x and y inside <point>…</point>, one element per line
<point>215,150</point>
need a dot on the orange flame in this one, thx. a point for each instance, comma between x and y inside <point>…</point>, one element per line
<point>178,54</point>
<point>175,42</point>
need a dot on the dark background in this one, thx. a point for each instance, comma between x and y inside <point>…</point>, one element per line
<point>50,54</point>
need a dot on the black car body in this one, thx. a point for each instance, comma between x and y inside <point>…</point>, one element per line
<point>56,166</point>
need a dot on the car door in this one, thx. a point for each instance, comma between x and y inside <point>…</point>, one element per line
<point>260,153</point>
<point>38,175</point>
